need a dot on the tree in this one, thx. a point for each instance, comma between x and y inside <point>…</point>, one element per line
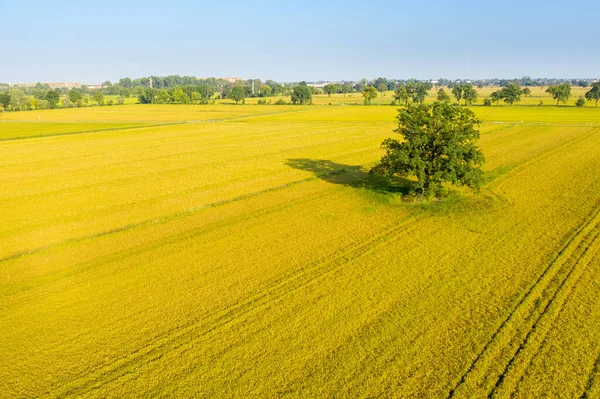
<point>561,93</point>
<point>75,95</point>
<point>381,87</point>
<point>301,94</point>
<point>4,100</point>
<point>442,96</point>
<point>52,97</point>
<point>438,144</point>
<point>18,100</point>
<point>511,93</point>
<point>527,92</point>
<point>98,97</point>
<point>180,97</point>
<point>580,102</point>
<point>457,92</point>
<point>594,93</point>
<point>496,97</point>
<point>469,94</point>
<point>237,94</point>
<point>265,91</point>
<point>419,91</point>
<point>369,93</point>
<point>330,89</point>
<point>401,94</point>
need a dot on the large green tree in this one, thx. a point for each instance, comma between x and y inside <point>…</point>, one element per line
<point>594,93</point>
<point>561,93</point>
<point>438,144</point>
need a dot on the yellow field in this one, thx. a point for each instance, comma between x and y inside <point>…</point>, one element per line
<point>242,251</point>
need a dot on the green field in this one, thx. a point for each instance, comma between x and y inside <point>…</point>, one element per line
<point>243,251</point>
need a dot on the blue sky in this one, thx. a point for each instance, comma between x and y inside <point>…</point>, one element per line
<point>96,41</point>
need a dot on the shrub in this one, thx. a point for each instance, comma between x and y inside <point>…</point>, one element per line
<point>580,102</point>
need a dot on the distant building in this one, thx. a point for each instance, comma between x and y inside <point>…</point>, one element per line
<point>95,87</point>
<point>52,85</point>
<point>318,85</point>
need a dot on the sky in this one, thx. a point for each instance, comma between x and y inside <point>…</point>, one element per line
<point>94,41</point>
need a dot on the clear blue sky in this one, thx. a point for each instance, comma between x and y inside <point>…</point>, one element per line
<point>93,41</point>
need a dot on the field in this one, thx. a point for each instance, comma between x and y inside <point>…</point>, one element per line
<point>243,251</point>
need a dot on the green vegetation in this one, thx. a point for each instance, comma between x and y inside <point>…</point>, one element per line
<point>438,145</point>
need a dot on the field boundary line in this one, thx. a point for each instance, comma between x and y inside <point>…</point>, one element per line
<point>543,282</point>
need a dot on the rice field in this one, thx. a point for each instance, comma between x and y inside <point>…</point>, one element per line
<point>243,251</point>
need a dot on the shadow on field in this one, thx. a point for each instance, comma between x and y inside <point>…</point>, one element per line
<point>351,175</point>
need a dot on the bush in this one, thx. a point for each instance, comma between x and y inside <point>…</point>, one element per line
<point>541,103</point>
<point>580,102</point>
<point>281,101</point>
<point>487,102</point>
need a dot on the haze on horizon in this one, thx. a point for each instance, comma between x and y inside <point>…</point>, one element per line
<point>293,41</point>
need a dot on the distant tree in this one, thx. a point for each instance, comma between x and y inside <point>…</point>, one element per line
<point>18,100</point>
<point>401,94</point>
<point>180,97</point>
<point>438,144</point>
<point>347,88</point>
<point>98,97</point>
<point>511,93</point>
<point>495,97</point>
<point>369,93</point>
<point>301,94</point>
<point>580,101</point>
<point>265,91</point>
<point>75,95</point>
<point>126,93</point>
<point>158,96</point>
<point>527,92</point>
<point>480,85</point>
<point>469,94</point>
<point>4,100</point>
<point>457,92</point>
<point>107,84</point>
<point>382,87</point>
<point>561,93</point>
<point>237,94</point>
<point>594,93</point>
<point>330,89</point>
<point>126,82</point>
<point>420,90</point>
<point>442,96</point>
<point>52,97</point>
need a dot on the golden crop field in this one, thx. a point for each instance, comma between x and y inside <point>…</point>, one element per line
<point>225,251</point>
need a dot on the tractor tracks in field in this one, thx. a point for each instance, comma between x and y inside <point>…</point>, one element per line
<point>594,375</point>
<point>180,339</point>
<point>498,366</point>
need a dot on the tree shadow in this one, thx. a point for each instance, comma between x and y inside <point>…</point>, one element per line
<point>351,175</point>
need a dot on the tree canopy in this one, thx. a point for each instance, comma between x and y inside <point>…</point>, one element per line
<point>594,93</point>
<point>561,93</point>
<point>301,95</point>
<point>237,94</point>
<point>369,93</point>
<point>438,144</point>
